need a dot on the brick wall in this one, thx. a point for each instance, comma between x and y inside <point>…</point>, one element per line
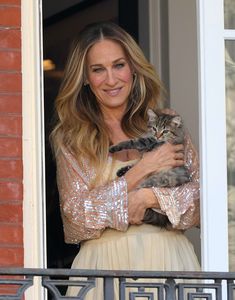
<point>11,190</point>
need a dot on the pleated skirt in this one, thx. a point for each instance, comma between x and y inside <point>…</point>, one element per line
<point>142,248</point>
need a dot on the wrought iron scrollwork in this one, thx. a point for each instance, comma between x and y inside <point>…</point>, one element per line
<point>131,285</point>
<point>18,287</point>
<point>83,287</point>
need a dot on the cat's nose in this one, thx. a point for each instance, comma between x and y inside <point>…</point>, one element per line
<point>158,135</point>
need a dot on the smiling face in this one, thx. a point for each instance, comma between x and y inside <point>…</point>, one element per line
<point>109,76</point>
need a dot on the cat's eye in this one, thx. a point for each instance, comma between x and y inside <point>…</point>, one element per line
<point>154,129</point>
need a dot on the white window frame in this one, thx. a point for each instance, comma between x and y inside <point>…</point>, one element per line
<point>213,154</point>
<point>229,35</point>
<point>214,235</point>
<point>33,144</point>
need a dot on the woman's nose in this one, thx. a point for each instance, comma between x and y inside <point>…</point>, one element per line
<point>111,78</point>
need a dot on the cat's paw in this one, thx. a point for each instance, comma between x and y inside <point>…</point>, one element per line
<point>123,171</point>
<point>112,149</point>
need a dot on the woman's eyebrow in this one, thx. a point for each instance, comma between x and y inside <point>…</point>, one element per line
<point>101,65</point>
<point>117,60</point>
<point>96,65</point>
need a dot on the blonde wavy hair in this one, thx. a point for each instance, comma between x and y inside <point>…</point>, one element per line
<point>80,126</point>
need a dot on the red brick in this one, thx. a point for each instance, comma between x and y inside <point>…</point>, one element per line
<point>10,60</point>
<point>9,289</point>
<point>10,82</point>
<point>10,38</point>
<point>7,2</point>
<point>11,169</point>
<point>11,190</point>
<point>10,213</point>
<point>10,125</point>
<point>10,16</point>
<point>10,147</point>
<point>11,234</point>
<point>11,257</point>
<point>10,103</point>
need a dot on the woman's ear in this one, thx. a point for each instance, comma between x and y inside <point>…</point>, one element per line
<point>85,81</point>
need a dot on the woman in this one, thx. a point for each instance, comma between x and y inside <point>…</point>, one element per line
<point>107,89</point>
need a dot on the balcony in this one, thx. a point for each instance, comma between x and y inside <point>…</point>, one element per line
<point>131,285</point>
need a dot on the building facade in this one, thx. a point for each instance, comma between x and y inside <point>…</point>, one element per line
<point>22,144</point>
<point>11,170</point>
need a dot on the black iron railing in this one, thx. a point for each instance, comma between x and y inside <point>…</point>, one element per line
<point>129,284</point>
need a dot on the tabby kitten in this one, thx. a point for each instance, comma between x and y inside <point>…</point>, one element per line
<point>161,128</point>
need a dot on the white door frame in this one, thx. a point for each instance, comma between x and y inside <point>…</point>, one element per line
<point>33,143</point>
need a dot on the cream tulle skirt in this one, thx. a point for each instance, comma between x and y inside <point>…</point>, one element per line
<point>143,247</point>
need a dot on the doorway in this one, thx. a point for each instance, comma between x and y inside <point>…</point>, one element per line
<point>154,24</point>
<point>59,21</point>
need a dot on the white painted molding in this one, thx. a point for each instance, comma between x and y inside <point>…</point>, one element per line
<point>33,143</point>
<point>212,110</point>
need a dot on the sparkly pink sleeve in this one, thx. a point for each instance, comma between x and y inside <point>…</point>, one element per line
<point>181,204</point>
<point>86,213</point>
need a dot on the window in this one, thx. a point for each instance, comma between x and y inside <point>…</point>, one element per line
<point>229,24</point>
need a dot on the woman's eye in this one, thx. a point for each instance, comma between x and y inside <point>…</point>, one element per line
<point>119,66</point>
<point>97,70</point>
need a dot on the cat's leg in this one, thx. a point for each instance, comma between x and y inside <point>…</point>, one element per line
<point>140,144</point>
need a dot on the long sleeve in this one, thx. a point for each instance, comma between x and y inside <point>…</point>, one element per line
<point>181,204</point>
<point>86,213</point>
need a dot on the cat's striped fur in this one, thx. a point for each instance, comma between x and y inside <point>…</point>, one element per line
<point>161,128</point>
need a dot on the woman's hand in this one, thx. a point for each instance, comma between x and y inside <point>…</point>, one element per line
<point>164,157</point>
<point>138,202</point>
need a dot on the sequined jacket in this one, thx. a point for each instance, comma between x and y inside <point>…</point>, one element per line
<point>86,213</point>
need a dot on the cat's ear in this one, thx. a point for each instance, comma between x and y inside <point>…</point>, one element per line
<point>177,121</point>
<point>151,115</point>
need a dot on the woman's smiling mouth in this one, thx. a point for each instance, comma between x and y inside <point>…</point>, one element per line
<point>113,92</point>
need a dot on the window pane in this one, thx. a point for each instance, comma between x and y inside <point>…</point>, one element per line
<point>229,14</point>
<point>230,103</point>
